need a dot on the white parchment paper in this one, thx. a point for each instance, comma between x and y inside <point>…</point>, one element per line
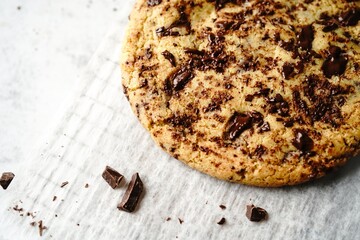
<point>100,129</point>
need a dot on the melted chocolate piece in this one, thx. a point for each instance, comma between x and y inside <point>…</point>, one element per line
<point>236,125</point>
<point>345,19</point>
<point>170,57</point>
<point>255,214</point>
<point>132,194</point>
<point>279,105</point>
<point>335,63</point>
<point>152,3</point>
<point>305,37</point>
<point>181,78</point>
<point>6,179</point>
<point>287,70</point>
<point>112,177</point>
<point>302,141</point>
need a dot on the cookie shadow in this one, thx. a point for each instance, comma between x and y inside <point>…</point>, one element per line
<point>350,168</point>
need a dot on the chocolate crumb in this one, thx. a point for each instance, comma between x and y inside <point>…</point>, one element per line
<point>33,224</point>
<point>86,185</point>
<point>168,219</point>
<point>132,194</point>
<point>54,198</point>
<point>170,57</point>
<point>41,228</point>
<point>222,221</point>
<point>112,177</point>
<point>64,184</point>
<point>223,207</point>
<point>181,221</point>
<point>255,214</point>
<point>6,179</point>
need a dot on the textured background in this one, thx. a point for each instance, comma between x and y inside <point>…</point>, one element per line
<point>99,129</point>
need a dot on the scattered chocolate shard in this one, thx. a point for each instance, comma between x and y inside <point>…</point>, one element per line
<point>222,221</point>
<point>6,179</point>
<point>132,194</point>
<point>41,228</point>
<point>181,221</point>
<point>223,207</point>
<point>64,184</point>
<point>112,177</point>
<point>255,214</point>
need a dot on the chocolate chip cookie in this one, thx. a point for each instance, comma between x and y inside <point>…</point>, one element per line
<point>259,92</point>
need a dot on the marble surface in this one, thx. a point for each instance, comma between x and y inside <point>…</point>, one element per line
<point>99,129</point>
<point>44,47</point>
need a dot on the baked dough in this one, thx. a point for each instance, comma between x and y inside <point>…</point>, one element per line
<point>264,93</point>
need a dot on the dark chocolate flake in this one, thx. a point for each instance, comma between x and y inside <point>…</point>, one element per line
<point>63,184</point>
<point>6,179</point>
<point>255,214</point>
<point>132,194</point>
<point>222,221</point>
<point>287,70</point>
<point>112,177</point>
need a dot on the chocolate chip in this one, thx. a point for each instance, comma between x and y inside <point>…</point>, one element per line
<point>302,141</point>
<point>132,194</point>
<point>236,125</point>
<point>181,78</point>
<point>170,57</point>
<point>306,37</point>
<point>222,221</point>
<point>287,70</point>
<point>255,214</point>
<point>112,177</point>
<point>335,63</point>
<point>6,179</point>
<point>152,3</point>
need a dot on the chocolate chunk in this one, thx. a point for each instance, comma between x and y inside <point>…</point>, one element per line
<point>306,37</point>
<point>287,70</point>
<point>170,57</point>
<point>222,221</point>
<point>181,78</point>
<point>152,3</point>
<point>335,63</point>
<point>132,194</point>
<point>63,184</point>
<point>112,177</point>
<point>255,214</point>
<point>350,18</point>
<point>302,141</point>
<point>6,179</point>
<point>236,125</point>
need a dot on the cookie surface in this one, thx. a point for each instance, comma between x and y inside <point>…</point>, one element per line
<point>265,93</point>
